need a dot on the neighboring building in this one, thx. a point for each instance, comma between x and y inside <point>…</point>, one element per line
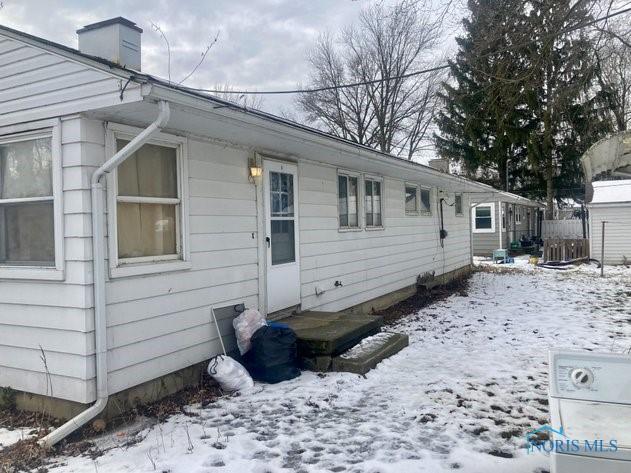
<point>495,224</point>
<point>611,204</point>
<point>214,205</point>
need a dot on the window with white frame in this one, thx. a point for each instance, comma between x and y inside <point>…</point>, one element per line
<point>27,203</point>
<point>373,202</point>
<point>348,201</point>
<point>458,204</point>
<point>411,199</point>
<point>517,214</point>
<point>426,196</point>
<point>483,218</point>
<point>149,204</point>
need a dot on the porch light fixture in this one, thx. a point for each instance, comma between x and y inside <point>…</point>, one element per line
<point>254,163</point>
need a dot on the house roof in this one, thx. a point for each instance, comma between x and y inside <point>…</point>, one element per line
<point>132,75</point>
<point>612,192</point>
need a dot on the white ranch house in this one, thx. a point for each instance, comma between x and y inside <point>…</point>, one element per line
<point>200,203</point>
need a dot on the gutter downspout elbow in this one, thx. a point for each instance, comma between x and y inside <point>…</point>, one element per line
<point>98,258</point>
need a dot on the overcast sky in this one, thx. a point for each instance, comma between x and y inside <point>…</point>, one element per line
<point>262,43</point>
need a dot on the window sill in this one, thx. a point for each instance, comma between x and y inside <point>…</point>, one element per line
<point>375,229</point>
<point>34,273</point>
<point>349,229</point>
<point>483,230</point>
<point>140,269</point>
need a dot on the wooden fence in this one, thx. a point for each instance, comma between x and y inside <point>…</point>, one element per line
<point>557,249</point>
<point>555,229</point>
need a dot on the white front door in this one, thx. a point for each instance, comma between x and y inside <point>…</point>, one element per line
<point>280,188</point>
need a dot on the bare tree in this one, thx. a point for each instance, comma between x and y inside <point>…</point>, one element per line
<point>613,56</point>
<point>389,42</point>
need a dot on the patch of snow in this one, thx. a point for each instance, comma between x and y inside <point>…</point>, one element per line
<point>10,436</point>
<point>367,345</point>
<point>460,398</point>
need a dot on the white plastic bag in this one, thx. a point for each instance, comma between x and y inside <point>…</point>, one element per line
<point>230,374</point>
<point>244,327</point>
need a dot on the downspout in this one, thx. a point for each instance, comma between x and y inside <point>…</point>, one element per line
<point>98,257</point>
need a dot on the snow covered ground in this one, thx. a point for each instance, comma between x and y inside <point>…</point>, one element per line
<point>459,398</point>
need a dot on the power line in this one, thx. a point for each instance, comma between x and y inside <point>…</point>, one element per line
<point>402,76</point>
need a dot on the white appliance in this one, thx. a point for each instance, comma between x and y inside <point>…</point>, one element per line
<point>590,399</point>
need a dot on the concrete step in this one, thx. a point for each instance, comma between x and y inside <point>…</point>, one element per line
<point>369,352</point>
<point>327,334</point>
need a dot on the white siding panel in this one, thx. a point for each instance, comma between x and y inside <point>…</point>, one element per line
<point>617,232</point>
<point>160,323</point>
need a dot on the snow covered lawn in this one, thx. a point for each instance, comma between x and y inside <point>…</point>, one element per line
<point>459,398</point>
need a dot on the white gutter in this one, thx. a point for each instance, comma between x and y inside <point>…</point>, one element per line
<point>98,256</point>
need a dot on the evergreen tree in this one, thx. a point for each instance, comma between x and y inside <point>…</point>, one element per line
<point>562,95</point>
<point>484,122</point>
<point>523,94</point>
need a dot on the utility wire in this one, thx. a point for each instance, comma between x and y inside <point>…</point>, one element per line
<point>409,74</point>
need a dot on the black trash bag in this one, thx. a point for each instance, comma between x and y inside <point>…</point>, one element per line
<point>274,355</point>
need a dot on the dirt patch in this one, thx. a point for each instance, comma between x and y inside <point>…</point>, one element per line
<point>423,298</point>
<point>27,455</point>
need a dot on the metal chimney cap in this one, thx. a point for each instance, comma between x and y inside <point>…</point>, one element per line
<point>112,21</point>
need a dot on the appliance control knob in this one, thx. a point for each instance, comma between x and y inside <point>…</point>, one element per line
<point>582,377</point>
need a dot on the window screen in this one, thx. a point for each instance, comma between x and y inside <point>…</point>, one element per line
<point>27,229</point>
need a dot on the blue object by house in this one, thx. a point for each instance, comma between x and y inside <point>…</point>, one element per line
<point>500,255</point>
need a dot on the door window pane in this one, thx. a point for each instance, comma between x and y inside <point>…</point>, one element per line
<point>283,241</point>
<point>146,230</point>
<point>282,194</point>
<point>27,234</point>
<point>150,172</point>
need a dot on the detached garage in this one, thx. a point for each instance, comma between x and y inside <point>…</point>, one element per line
<point>611,204</point>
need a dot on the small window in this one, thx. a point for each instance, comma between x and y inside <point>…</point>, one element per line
<point>426,207</point>
<point>148,205</point>
<point>373,203</point>
<point>347,201</point>
<point>411,199</point>
<point>458,204</point>
<point>27,220</point>
<point>517,214</point>
<point>483,218</point>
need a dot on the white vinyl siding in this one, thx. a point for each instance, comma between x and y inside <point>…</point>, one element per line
<point>37,85</point>
<point>617,232</point>
<point>369,264</point>
<point>159,323</point>
<point>56,316</point>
